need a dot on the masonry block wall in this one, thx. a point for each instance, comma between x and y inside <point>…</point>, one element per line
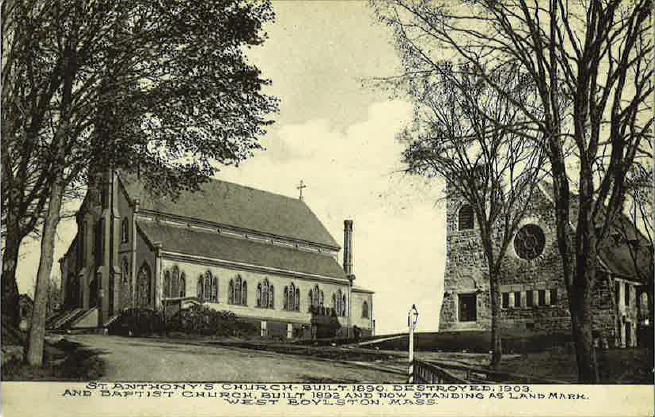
<point>533,293</point>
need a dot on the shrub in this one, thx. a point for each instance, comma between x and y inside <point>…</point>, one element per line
<point>138,322</point>
<point>203,320</point>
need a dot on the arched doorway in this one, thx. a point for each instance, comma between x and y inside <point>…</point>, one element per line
<point>143,286</point>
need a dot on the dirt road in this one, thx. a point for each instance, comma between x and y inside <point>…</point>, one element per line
<point>145,359</point>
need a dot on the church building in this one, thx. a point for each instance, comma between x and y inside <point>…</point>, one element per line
<point>533,293</point>
<point>265,257</point>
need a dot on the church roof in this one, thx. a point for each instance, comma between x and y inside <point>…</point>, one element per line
<point>615,251</point>
<point>214,245</point>
<point>242,207</point>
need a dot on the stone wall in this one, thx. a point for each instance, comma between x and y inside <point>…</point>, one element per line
<point>467,272</point>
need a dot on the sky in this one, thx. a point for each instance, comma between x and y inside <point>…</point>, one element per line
<point>338,137</point>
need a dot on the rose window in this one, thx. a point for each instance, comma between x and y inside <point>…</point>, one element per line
<point>529,241</point>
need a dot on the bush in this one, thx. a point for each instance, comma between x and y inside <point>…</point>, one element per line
<point>138,322</point>
<point>202,320</point>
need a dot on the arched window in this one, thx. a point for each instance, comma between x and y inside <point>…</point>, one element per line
<point>264,300</point>
<point>207,286</point>
<point>244,293</point>
<point>200,288</point>
<point>125,230</point>
<point>258,301</point>
<point>182,285</point>
<point>167,284</point>
<point>82,248</point>
<point>126,270</point>
<point>365,309</point>
<point>143,286</point>
<point>292,297</point>
<point>214,295</point>
<point>175,282</point>
<point>343,305</point>
<point>238,291</point>
<point>338,302</point>
<point>271,297</point>
<point>265,293</point>
<point>316,298</point>
<point>317,295</point>
<point>465,217</point>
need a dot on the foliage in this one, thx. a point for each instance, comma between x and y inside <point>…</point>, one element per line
<point>138,322</point>
<point>160,89</point>
<point>202,320</point>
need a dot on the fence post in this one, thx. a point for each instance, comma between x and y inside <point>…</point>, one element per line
<point>412,318</point>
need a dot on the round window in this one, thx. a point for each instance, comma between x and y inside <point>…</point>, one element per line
<point>529,242</point>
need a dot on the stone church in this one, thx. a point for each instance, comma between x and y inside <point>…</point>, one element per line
<point>263,256</point>
<point>533,293</point>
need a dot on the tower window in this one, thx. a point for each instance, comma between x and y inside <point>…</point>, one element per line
<point>465,217</point>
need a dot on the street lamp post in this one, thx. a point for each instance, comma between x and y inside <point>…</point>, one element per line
<point>412,318</point>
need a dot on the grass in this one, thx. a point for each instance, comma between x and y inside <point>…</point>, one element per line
<point>616,366</point>
<point>62,361</point>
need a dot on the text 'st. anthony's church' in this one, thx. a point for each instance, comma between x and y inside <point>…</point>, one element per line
<point>263,256</point>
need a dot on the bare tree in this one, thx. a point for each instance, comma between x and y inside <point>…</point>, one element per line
<point>491,168</point>
<point>635,231</point>
<point>590,63</point>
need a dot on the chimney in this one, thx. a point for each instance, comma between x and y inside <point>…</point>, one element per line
<point>348,247</point>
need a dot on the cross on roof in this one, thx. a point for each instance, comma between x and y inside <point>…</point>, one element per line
<point>300,187</point>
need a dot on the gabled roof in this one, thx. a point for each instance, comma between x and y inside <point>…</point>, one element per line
<point>214,245</point>
<point>241,207</point>
<point>625,249</point>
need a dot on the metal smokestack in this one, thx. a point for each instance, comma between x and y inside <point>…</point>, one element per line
<point>348,247</point>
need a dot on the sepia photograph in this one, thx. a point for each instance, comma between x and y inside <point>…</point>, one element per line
<point>375,203</point>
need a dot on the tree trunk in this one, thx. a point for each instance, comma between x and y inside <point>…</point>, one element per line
<point>9,264</point>
<point>37,332</point>
<point>496,338</point>
<point>581,326</point>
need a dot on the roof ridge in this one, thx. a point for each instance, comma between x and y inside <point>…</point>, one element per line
<point>238,205</point>
<point>214,179</point>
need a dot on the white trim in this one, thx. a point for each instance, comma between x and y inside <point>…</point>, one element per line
<point>201,228</point>
<point>238,234</point>
<point>362,290</point>
<point>239,265</point>
<point>215,227</point>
